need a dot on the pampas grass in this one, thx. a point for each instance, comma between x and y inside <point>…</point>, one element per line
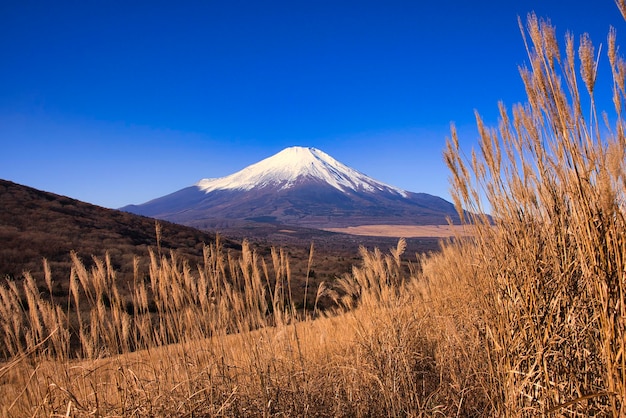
<point>551,265</point>
<point>224,338</point>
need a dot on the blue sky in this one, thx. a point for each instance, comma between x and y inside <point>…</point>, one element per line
<point>115,102</point>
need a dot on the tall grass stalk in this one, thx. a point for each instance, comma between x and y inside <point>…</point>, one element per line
<point>551,261</point>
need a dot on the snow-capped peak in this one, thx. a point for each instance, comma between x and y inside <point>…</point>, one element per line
<point>296,163</point>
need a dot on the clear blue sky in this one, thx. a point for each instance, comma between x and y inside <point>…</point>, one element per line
<point>118,102</point>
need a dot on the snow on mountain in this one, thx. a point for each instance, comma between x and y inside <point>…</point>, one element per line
<point>285,169</point>
<point>298,186</point>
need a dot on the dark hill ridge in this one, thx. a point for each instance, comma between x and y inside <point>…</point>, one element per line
<point>36,224</point>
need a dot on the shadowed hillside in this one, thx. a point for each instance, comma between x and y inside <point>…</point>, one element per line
<point>36,224</point>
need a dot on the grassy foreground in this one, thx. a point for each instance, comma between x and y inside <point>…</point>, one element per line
<point>525,318</point>
<point>215,342</point>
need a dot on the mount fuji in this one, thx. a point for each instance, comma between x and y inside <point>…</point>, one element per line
<point>299,186</point>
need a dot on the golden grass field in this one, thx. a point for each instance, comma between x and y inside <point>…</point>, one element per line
<point>524,319</point>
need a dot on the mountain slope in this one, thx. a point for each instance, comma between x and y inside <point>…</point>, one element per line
<point>299,186</point>
<point>35,224</point>
<point>293,166</point>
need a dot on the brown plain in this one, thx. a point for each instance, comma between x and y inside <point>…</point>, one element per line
<point>405,231</point>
